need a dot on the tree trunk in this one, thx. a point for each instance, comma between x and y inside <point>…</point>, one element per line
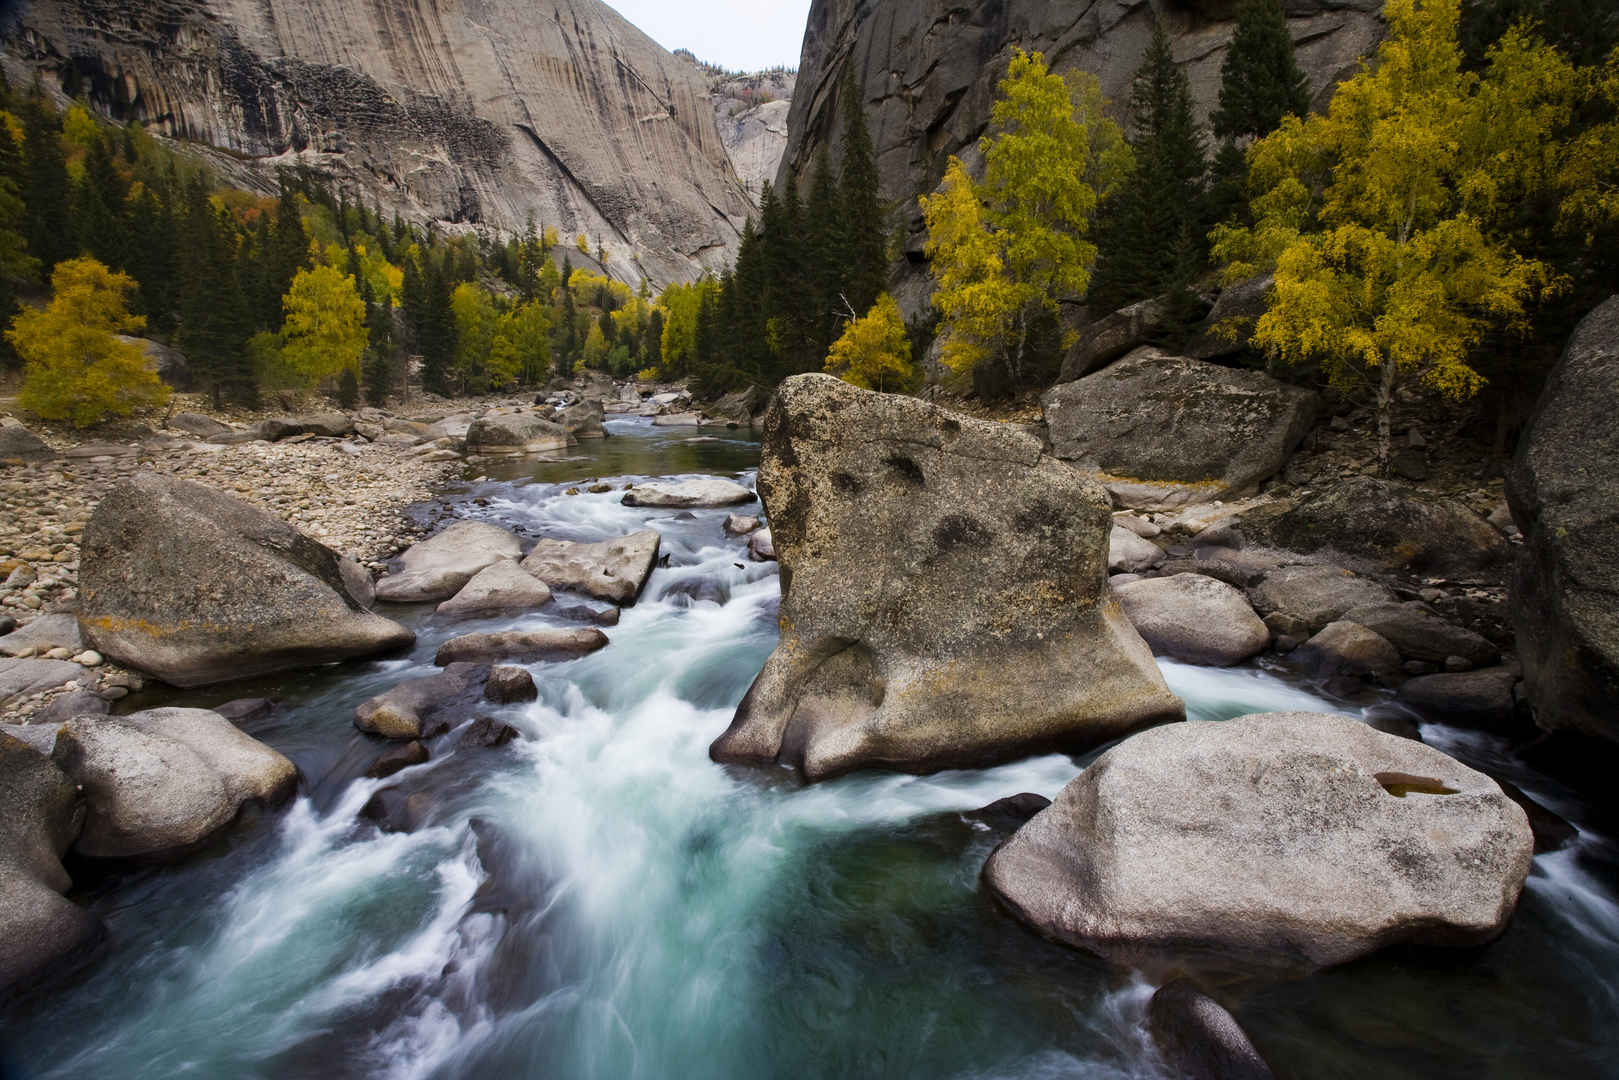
<point>1385,410</point>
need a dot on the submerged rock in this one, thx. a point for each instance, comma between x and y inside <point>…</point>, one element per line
<point>704,492</point>
<point>987,635</point>
<point>163,782</point>
<point>1199,1039</point>
<point>520,646</point>
<point>613,570</point>
<point>1284,841</point>
<point>1194,618</point>
<point>500,589</point>
<point>397,759</point>
<point>438,567</point>
<point>196,587</point>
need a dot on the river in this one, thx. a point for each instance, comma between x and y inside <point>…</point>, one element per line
<point>599,900</point>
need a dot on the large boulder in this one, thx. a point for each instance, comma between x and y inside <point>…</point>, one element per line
<point>612,570</point>
<point>440,566</point>
<point>331,425</point>
<point>197,587</point>
<point>1316,594</point>
<point>1381,523</point>
<point>703,492</point>
<point>500,589</point>
<point>1564,490</point>
<point>1195,618</point>
<point>1113,335</point>
<point>41,814</point>
<point>1162,431</point>
<point>1283,840</point>
<point>944,596</point>
<point>583,420</point>
<point>515,433</point>
<point>19,446</point>
<point>161,783</point>
<point>1230,326</point>
<point>738,407</point>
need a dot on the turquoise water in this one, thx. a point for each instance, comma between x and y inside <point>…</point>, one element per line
<point>599,900</point>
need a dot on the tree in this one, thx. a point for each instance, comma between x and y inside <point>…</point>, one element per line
<point>17,266</point>
<point>1377,216</point>
<point>1260,80</point>
<point>1151,231</point>
<point>324,331</point>
<point>45,185</point>
<point>522,345</point>
<point>75,368</point>
<point>215,321</point>
<point>874,352</point>
<point>866,238</point>
<point>475,317</point>
<point>1018,243</point>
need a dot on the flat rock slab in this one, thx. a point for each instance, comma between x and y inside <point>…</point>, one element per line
<point>504,588</point>
<point>19,678</point>
<point>944,595</point>
<point>438,567</point>
<point>1162,431</point>
<point>1288,841</point>
<point>613,570</point>
<point>163,782</point>
<point>44,634</point>
<point>1194,618</point>
<point>704,492</point>
<point>521,646</point>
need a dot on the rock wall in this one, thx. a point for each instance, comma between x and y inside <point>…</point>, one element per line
<point>751,114</point>
<point>927,71</point>
<point>481,112</point>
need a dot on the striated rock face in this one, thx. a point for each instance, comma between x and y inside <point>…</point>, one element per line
<point>751,114</point>
<point>927,71</point>
<point>482,112</point>
<point>944,595</point>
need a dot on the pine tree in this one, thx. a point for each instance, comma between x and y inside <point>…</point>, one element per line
<point>287,254</point>
<point>826,254</point>
<point>215,320</point>
<point>866,237</point>
<point>1260,81</point>
<point>45,185</point>
<point>98,204</point>
<point>1151,233</point>
<point>436,331</point>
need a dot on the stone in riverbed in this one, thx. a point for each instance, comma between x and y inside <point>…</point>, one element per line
<point>613,570</point>
<point>500,589</point>
<point>486,733</point>
<point>762,546</point>
<point>41,813</point>
<point>1199,1039</point>
<point>163,782</point>
<point>44,634</point>
<point>1286,841</point>
<point>583,421</point>
<point>1419,634</point>
<point>438,567</point>
<point>1347,648</point>
<point>704,492</point>
<point>1194,618</point>
<point>508,684</point>
<point>741,525</point>
<point>1128,553</point>
<point>1316,594</point>
<point>516,433</point>
<point>988,635</point>
<point>520,646</point>
<point>203,427</point>
<point>1481,698</point>
<point>402,712</point>
<point>19,678</point>
<point>197,587</point>
<point>397,759</point>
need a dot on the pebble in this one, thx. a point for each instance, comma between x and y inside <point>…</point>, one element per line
<point>89,658</point>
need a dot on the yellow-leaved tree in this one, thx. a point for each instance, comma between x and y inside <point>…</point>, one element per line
<point>324,331</point>
<point>75,368</point>
<point>475,318</point>
<point>874,352</point>
<point>522,345</point>
<point>1385,219</point>
<point>1007,250</point>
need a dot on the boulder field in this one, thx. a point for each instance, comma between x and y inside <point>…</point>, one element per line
<point>988,634</point>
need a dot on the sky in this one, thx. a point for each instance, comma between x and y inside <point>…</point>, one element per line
<point>743,35</point>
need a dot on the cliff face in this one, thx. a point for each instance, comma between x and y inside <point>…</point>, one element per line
<point>751,114</point>
<point>473,111</point>
<point>927,71</point>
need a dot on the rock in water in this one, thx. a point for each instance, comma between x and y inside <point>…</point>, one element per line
<point>41,814</point>
<point>608,570</point>
<point>584,420</point>
<point>1564,487</point>
<point>1199,1039</point>
<point>163,782</point>
<point>985,633</point>
<point>401,712</point>
<point>197,587</point>
<point>515,433</point>
<point>701,493</point>
<point>1194,618</point>
<point>1164,431</point>
<point>502,588</point>
<point>438,567</point>
<point>520,646</point>
<point>509,684</point>
<point>1283,840</point>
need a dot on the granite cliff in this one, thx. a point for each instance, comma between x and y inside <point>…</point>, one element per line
<point>927,71</point>
<point>478,112</point>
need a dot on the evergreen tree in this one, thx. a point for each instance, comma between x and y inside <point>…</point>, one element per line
<point>866,245</point>
<point>45,185</point>
<point>153,256</point>
<point>825,247</point>
<point>1260,81</point>
<point>215,321</point>
<point>1151,234</point>
<point>98,205</point>
<point>287,254</point>
<point>436,331</point>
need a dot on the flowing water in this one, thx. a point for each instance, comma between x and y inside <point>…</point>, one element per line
<point>599,900</point>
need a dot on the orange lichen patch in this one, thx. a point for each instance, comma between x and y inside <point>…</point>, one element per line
<point>112,625</point>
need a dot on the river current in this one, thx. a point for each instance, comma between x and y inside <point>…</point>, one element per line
<point>599,900</point>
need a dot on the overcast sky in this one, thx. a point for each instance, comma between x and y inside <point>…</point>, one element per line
<point>743,35</point>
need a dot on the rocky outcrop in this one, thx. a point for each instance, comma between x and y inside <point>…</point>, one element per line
<point>1162,431</point>
<point>987,633</point>
<point>197,587</point>
<point>1564,492</point>
<point>613,570</point>
<point>750,112</point>
<point>493,115</point>
<point>1284,840</point>
<point>161,783</point>
<point>440,566</point>
<point>1194,618</point>
<point>41,814</point>
<point>926,72</point>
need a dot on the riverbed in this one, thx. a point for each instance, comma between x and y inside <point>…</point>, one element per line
<point>599,900</point>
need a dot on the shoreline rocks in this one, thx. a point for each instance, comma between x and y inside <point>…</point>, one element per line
<point>438,567</point>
